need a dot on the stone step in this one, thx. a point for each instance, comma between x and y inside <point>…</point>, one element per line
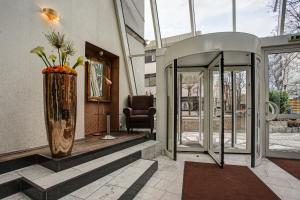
<point>10,181</point>
<point>66,162</point>
<point>17,196</point>
<point>124,183</point>
<point>42,183</point>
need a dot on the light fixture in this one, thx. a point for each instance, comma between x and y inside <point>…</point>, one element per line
<point>51,14</point>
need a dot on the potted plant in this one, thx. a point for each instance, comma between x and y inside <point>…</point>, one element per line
<point>60,94</point>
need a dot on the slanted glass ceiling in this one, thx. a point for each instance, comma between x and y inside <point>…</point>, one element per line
<point>213,16</point>
<point>256,17</point>
<point>149,30</point>
<point>174,17</point>
<point>252,16</point>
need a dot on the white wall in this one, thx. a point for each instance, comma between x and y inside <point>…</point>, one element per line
<point>21,87</point>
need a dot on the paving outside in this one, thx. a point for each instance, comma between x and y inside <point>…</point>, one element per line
<point>278,141</point>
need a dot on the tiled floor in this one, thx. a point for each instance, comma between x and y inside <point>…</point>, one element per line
<point>166,183</point>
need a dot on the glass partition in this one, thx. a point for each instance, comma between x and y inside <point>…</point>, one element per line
<point>216,119</point>
<point>216,113</point>
<point>236,106</point>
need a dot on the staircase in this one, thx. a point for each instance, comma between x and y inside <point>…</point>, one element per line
<point>118,172</point>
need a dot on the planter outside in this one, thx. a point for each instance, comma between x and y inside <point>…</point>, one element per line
<point>60,102</point>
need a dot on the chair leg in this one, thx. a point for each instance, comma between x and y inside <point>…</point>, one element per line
<point>131,130</point>
<point>151,131</point>
<point>128,130</point>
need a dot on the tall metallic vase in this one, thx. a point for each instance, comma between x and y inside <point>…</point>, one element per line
<point>60,102</point>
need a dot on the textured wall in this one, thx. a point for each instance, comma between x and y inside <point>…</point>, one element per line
<point>21,91</point>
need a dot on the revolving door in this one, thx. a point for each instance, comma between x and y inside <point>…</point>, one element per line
<point>214,110</point>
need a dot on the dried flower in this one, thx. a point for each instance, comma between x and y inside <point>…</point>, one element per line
<point>69,48</point>
<point>56,40</point>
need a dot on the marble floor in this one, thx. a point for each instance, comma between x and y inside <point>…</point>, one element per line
<point>166,183</point>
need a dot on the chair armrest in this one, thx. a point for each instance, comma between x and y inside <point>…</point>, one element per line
<point>127,111</point>
<point>152,111</point>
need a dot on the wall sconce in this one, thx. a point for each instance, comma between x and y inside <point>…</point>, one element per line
<point>51,14</point>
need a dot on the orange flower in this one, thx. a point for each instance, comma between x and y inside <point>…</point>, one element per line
<point>60,69</point>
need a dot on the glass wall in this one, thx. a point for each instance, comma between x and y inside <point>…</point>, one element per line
<point>284,91</point>
<point>213,16</point>
<point>256,17</point>
<point>174,17</point>
<point>148,27</point>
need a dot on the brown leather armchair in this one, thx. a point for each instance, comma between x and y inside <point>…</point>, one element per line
<point>140,112</point>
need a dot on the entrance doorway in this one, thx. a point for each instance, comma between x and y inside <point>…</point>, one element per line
<point>214,109</point>
<point>192,97</point>
<point>191,104</point>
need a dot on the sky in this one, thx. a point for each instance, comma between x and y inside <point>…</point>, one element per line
<point>253,16</point>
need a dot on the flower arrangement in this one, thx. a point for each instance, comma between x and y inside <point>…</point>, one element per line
<point>64,50</point>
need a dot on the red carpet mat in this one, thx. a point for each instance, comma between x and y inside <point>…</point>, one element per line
<point>208,181</point>
<point>292,166</point>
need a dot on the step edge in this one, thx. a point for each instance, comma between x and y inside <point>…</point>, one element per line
<point>88,177</point>
<point>25,161</point>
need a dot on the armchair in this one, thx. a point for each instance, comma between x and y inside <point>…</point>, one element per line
<point>140,112</point>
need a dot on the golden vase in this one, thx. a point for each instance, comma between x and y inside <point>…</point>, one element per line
<point>60,102</point>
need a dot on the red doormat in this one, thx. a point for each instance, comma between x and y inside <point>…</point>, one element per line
<point>208,181</point>
<point>292,166</point>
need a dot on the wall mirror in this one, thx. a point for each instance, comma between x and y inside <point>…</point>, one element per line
<point>99,80</point>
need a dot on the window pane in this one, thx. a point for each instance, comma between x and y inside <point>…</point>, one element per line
<point>213,16</point>
<point>292,18</point>
<point>152,81</point>
<point>147,82</point>
<point>149,31</point>
<point>174,18</point>
<point>255,17</point>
